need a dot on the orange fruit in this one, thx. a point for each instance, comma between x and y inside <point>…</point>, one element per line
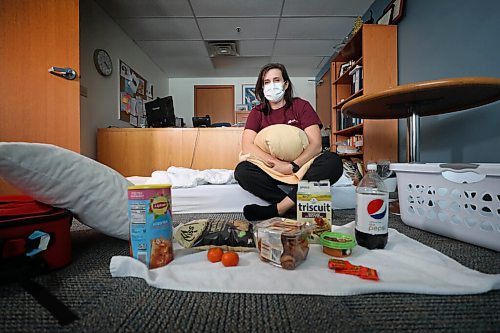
<point>230,258</point>
<point>215,254</point>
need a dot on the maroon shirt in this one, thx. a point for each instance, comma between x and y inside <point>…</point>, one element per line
<point>300,114</point>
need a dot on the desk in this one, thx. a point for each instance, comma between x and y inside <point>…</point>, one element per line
<point>140,151</point>
<point>420,99</point>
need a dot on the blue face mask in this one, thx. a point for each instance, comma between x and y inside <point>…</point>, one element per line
<point>274,91</point>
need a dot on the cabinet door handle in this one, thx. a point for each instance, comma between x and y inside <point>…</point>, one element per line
<point>65,72</point>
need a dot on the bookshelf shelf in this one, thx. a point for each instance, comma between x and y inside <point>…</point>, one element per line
<point>374,48</point>
<point>353,130</point>
<point>351,154</point>
<point>356,94</point>
<point>345,77</point>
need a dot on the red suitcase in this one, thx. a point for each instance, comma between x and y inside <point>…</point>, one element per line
<point>34,238</point>
<point>31,229</point>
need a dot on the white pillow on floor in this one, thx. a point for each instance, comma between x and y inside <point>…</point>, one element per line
<point>93,192</point>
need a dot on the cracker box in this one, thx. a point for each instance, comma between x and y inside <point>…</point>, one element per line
<point>314,204</point>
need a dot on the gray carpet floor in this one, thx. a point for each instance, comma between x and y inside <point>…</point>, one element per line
<point>104,304</point>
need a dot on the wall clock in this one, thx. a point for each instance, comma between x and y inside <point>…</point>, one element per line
<point>102,62</point>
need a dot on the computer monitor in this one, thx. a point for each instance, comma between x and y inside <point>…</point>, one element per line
<point>201,121</point>
<point>160,112</point>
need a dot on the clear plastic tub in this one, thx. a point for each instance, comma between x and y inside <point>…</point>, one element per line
<point>283,242</point>
<point>460,201</point>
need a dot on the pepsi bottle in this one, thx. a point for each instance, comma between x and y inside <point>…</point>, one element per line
<point>372,210</point>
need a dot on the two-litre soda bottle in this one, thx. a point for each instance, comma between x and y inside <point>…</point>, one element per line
<point>372,210</point>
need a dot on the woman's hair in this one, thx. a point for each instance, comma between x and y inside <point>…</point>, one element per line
<point>259,87</point>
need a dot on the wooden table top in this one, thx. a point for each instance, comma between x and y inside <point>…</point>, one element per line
<point>427,98</point>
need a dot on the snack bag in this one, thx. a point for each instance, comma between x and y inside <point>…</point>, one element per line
<point>345,267</point>
<point>314,205</point>
<point>204,234</point>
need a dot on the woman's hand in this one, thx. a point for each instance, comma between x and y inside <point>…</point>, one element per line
<point>280,166</point>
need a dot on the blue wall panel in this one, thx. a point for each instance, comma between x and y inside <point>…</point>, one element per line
<point>442,39</point>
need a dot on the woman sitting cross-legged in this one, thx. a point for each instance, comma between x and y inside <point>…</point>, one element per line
<point>270,158</point>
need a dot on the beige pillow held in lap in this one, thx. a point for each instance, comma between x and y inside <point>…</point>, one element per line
<point>284,142</point>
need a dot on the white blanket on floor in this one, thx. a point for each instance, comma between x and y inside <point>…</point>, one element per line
<point>404,266</point>
<point>180,177</point>
<point>185,177</point>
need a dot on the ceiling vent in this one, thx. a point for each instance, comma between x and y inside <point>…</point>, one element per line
<point>222,48</point>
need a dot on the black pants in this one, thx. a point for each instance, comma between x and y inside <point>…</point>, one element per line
<point>251,178</point>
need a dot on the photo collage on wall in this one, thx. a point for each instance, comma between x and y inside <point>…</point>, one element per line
<point>135,91</point>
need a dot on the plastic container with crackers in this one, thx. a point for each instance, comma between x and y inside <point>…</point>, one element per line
<point>283,242</point>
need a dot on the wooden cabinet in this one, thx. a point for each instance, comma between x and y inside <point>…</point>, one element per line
<point>140,151</point>
<point>241,117</point>
<point>374,49</point>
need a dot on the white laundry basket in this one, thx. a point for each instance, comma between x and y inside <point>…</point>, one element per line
<point>460,201</point>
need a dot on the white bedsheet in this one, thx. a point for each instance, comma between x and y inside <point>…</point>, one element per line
<point>185,177</point>
<point>230,198</point>
<point>404,266</point>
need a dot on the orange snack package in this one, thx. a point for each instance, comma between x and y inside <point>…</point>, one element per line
<point>345,267</point>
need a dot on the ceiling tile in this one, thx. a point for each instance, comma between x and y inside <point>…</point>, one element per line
<point>308,47</point>
<point>224,8</point>
<point>241,62</point>
<point>141,8</point>
<point>185,66</point>
<point>301,62</point>
<point>260,47</point>
<point>174,48</point>
<point>225,28</point>
<point>326,7</point>
<point>160,28</point>
<point>239,72</point>
<point>169,33</point>
<point>315,27</point>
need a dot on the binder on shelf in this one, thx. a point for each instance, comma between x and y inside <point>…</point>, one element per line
<point>357,78</point>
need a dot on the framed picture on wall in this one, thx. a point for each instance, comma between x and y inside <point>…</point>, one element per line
<point>386,16</point>
<point>241,107</point>
<point>397,10</point>
<point>248,95</point>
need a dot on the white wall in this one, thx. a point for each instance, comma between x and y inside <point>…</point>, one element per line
<point>182,91</point>
<point>100,108</point>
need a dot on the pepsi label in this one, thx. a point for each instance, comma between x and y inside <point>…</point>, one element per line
<point>371,213</point>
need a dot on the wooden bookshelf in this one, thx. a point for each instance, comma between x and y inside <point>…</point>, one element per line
<point>374,48</point>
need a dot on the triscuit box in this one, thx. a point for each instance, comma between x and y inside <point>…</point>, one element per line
<point>314,204</point>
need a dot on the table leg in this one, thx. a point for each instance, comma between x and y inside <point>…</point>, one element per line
<point>413,135</point>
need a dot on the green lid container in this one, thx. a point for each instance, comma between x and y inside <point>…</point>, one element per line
<point>337,241</point>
